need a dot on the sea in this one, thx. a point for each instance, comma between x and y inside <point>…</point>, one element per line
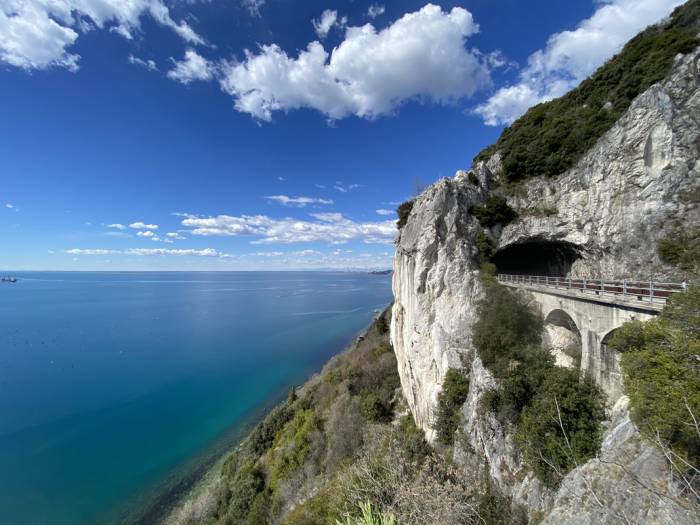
<point>117,390</point>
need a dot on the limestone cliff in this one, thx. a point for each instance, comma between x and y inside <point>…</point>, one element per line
<point>602,218</point>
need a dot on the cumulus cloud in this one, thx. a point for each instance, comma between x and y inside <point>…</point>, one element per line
<point>571,56</point>
<point>175,236</point>
<point>331,228</point>
<point>143,226</point>
<point>205,252</point>
<point>375,10</point>
<point>298,201</point>
<point>37,34</point>
<point>370,73</point>
<point>148,64</point>
<point>117,226</point>
<point>146,233</point>
<point>324,24</point>
<point>192,67</point>
<point>386,212</point>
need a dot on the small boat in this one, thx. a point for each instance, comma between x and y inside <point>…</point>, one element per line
<point>9,279</point>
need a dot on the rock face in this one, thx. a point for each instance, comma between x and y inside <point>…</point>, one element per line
<point>602,218</point>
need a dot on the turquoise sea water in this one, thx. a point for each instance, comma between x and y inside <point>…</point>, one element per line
<point>113,386</point>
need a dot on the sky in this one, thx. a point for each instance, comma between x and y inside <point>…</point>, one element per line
<point>263,134</point>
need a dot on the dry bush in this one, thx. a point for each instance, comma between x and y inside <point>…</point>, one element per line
<point>429,493</point>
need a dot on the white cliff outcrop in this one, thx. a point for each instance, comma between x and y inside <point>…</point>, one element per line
<point>610,209</point>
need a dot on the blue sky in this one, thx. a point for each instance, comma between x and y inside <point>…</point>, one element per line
<point>262,134</point>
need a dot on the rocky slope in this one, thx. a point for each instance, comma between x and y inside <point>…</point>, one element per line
<point>602,218</point>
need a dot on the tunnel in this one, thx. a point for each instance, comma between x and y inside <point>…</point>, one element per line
<point>537,257</point>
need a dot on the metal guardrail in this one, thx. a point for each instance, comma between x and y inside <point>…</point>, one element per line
<point>649,291</point>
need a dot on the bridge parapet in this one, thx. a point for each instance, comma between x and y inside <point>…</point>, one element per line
<point>648,295</point>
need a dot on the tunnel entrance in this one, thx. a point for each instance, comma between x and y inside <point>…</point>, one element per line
<point>550,258</point>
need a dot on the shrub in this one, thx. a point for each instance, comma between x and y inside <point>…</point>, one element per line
<point>560,429</point>
<point>551,137</point>
<point>247,484</point>
<point>455,389</point>
<point>681,249</point>
<point>292,444</point>
<point>662,378</point>
<point>373,409</point>
<point>369,516</point>
<point>505,323</point>
<point>412,439</point>
<point>484,245</point>
<point>494,211</point>
<point>403,211</point>
<point>382,325</point>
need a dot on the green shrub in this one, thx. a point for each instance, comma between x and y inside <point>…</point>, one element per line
<point>494,211</point>
<point>551,137</point>
<point>455,389</point>
<point>561,428</point>
<point>369,516</point>
<point>496,509</point>
<point>372,408</point>
<point>681,249</point>
<point>292,444</point>
<point>382,325</point>
<point>484,245</point>
<point>505,323</point>
<point>662,376</point>
<point>247,484</point>
<point>403,211</point>
<point>412,439</point>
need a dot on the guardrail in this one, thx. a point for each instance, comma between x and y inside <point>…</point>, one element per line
<point>650,291</point>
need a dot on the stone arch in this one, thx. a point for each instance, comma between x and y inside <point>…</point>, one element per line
<point>563,338</point>
<point>610,372</point>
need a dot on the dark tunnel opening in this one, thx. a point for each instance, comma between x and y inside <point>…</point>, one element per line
<point>551,258</point>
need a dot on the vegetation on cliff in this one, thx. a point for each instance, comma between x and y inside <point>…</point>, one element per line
<point>551,137</point>
<point>662,379</point>
<point>557,415</point>
<point>338,452</point>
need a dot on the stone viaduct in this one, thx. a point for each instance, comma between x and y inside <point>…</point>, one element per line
<point>593,310</point>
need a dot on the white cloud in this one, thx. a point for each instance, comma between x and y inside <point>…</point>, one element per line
<point>146,233</point>
<point>117,226</point>
<point>281,179</point>
<point>174,235</point>
<point>148,64</point>
<point>36,34</point>
<point>192,67</point>
<point>80,251</point>
<point>298,201</point>
<point>370,73</point>
<point>324,24</point>
<point>386,212</point>
<point>253,6</point>
<point>375,10</point>
<point>344,188</point>
<point>205,252</point>
<point>571,56</point>
<point>332,228</point>
<point>143,226</point>
<point>9,206</point>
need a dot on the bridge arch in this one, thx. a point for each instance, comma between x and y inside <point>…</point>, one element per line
<point>563,338</point>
